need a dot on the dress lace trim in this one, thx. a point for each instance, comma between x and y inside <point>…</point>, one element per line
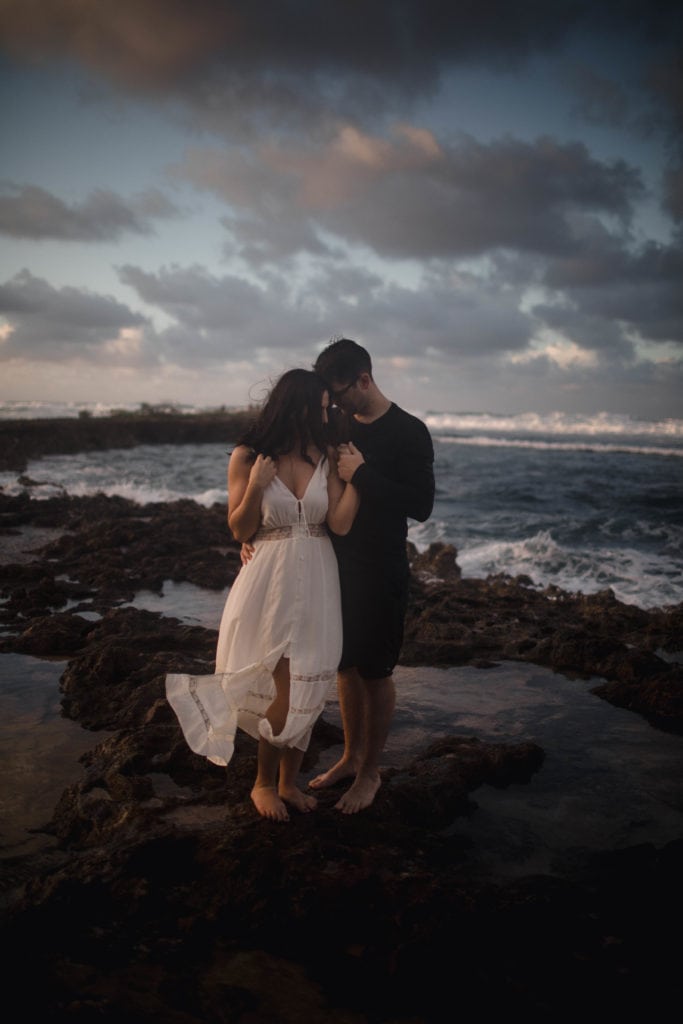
<point>313,709</point>
<point>292,530</point>
<point>192,687</point>
<point>266,698</point>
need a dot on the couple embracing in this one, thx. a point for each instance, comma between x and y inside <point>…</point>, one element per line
<point>319,491</point>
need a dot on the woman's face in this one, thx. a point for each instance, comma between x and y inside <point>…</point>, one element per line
<point>325,405</point>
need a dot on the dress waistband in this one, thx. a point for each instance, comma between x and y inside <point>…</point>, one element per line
<point>292,530</point>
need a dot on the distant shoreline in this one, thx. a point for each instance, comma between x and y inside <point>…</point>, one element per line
<point>24,439</point>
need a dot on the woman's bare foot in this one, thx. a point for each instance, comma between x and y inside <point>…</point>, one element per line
<point>294,796</point>
<point>268,803</point>
<point>343,769</point>
<point>360,795</point>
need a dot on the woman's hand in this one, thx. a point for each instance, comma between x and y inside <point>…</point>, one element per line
<point>246,552</point>
<point>343,498</point>
<point>263,471</point>
<point>248,477</point>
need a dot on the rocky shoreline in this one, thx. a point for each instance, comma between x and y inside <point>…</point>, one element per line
<point>166,898</point>
<point>23,440</point>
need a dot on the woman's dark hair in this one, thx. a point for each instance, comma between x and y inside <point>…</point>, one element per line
<point>291,417</point>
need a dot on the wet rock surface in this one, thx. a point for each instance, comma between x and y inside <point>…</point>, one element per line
<point>470,621</point>
<point>167,898</point>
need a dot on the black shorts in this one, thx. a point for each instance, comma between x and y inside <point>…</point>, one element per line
<point>374,604</point>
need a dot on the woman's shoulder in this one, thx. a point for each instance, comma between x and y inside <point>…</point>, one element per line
<point>242,455</point>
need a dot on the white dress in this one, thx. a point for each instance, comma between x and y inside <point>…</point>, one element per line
<point>284,602</point>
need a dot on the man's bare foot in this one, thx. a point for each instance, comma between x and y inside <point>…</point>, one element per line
<point>360,795</point>
<point>268,803</point>
<point>294,796</point>
<point>343,769</point>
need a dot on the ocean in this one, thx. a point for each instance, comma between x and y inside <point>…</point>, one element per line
<point>582,502</point>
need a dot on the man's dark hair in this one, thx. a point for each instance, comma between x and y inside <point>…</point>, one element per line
<point>343,361</point>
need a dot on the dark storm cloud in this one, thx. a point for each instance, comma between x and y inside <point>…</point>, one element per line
<point>410,198</point>
<point>314,173</point>
<point>649,104</point>
<point>673,193</point>
<point>664,81</point>
<point>221,318</point>
<point>27,211</point>
<point>605,339</point>
<point>284,236</point>
<point>55,323</point>
<point>248,51</point>
<point>447,312</point>
<point>640,289</point>
<point>600,100</point>
<point>509,195</point>
<point>196,299</point>
<point>151,42</point>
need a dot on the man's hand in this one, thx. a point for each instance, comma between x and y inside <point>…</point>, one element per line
<point>349,459</point>
<point>246,552</point>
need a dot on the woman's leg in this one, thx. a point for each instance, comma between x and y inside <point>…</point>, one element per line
<point>265,792</point>
<point>290,761</point>
<point>290,764</point>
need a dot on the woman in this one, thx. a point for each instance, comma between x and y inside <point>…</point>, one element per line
<point>280,636</point>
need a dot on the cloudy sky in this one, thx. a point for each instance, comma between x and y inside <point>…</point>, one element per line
<point>488,195</point>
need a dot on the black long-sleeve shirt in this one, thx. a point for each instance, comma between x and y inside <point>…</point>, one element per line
<point>395,483</point>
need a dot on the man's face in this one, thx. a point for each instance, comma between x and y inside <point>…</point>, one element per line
<point>345,395</point>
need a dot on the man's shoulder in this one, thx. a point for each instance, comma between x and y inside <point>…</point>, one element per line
<point>408,421</point>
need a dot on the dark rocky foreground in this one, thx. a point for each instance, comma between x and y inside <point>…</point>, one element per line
<point>166,898</point>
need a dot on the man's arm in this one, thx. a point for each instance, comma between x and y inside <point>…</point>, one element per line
<point>413,493</point>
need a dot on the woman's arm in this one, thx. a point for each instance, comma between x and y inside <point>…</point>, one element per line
<point>247,481</point>
<point>343,500</point>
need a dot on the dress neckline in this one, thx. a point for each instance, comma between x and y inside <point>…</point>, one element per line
<point>310,481</point>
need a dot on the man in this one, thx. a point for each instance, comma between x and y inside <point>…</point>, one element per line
<point>390,457</point>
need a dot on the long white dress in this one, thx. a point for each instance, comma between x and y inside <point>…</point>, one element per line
<point>284,602</point>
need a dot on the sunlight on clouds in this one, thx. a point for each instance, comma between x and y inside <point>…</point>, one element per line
<point>568,353</point>
<point>535,295</point>
<point>651,351</point>
<point>420,138</point>
<point>343,168</point>
<point>352,145</point>
<point>127,343</point>
<point>6,331</point>
<point>564,353</point>
<point>355,146</point>
<point>399,362</point>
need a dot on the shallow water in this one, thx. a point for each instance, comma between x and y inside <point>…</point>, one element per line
<point>609,779</point>
<point>39,750</point>
<point>194,605</point>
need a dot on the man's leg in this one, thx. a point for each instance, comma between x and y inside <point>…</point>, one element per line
<point>351,691</point>
<point>379,701</point>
